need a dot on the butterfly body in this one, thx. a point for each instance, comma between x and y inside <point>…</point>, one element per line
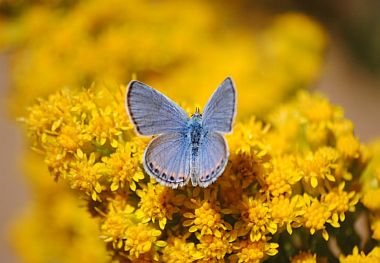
<point>186,148</point>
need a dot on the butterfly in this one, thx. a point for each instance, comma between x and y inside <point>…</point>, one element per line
<point>185,148</point>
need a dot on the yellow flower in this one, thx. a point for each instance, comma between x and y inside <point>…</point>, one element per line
<point>286,211</point>
<point>249,154</point>
<point>142,239</point>
<point>371,199</point>
<point>255,219</point>
<point>356,257</point>
<point>284,174</point>
<point>349,146</point>
<point>320,165</point>
<point>255,252</point>
<point>213,248</point>
<point>85,174</point>
<point>375,227</point>
<point>180,250</point>
<point>341,201</point>
<point>124,166</point>
<point>158,202</point>
<point>116,222</point>
<point>262,193</point>
<point>304,257</point>
<point>316,215</point>
<point>206,217</point>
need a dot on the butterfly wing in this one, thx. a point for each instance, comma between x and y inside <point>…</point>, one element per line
<point>213,155</point>
<point>167,159</point>
<point>220,110</point>
<point>152,112</point>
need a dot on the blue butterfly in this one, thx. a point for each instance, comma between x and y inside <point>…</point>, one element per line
<point>186,147</point>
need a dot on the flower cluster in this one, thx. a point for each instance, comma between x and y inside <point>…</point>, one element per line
<point>108,42</point>
<point>269,190</point>
<point>371,190</point>
<point>292,179</point>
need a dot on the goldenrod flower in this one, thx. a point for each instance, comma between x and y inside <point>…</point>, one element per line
<point>205,216</point>
<point>375,227</point>
<point>263,192</point>
<point>180,250</point>
<point>286,212</point>
<point>86,174</point>
<point>158,202</point>
<point>255,219</point>
<point>371,199</point>
<point>124,169</point>
<point>316,216</point>
<point>215,247</point>
<point>356,257</point>
<point>284,174</point>
<point>116,222</point>
<point>349,146</point>
<point>142,239</point>
<point>340,201</point>
<point>304,257</point>
<point>255,252</point>
<point>320,165</point>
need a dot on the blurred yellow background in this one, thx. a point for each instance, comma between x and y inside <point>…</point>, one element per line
<point>184,50</point>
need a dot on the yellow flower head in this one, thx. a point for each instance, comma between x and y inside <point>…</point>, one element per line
<point>316,215</point>
<point>286,211</point>
<point>356,257</point>
<point>304,257</point>
<point>255,251</point>
<point>142,239</point>
<point>206,216</point>
<point>371,199</point>
<point>215,247</point>
<point>255,219</point>
<point>282,177</point>
<point>158,202</point>
<point>124,166</point>
<point>320,165</point>
<point>86,174</point>
<point>180,250</point>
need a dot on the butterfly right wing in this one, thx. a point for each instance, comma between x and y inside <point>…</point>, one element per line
<point>152,112</point>
<point>220,110</point>
<point>167,159</point>
<point>213,158</point>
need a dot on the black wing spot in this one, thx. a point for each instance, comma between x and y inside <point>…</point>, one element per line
<point>213,172</point>
<point>151,165</point>
<point>156,171</point>
<point>218,167</point>
<point>207,176</point>
<point>164,175</point>
<point>172,178</point>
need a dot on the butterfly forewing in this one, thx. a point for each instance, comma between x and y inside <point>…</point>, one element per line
<point>213,158</point>
<point>152,112</point>
<point>167,159</point>
<point>220,110</point>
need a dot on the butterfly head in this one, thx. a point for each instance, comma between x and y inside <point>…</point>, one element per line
<point>196,113</point>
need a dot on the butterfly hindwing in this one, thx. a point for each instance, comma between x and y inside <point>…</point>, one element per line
<point>152,112</point>
<point>213,158</point>
<point>220,110</point>
<point>167,159</point>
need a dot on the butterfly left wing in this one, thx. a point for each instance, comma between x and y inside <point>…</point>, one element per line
<point>213,158</point>
<point>152,112</point>
<point>220,110</point>
<point>167,159</point>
